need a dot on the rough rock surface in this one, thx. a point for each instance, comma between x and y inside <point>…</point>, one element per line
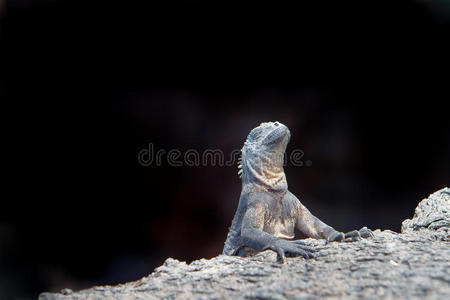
<point>432,213</point>
<point>413,264</point>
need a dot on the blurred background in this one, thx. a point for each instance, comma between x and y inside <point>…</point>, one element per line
<point>86,85</point>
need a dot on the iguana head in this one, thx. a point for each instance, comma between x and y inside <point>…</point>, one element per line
<point>263,154</point>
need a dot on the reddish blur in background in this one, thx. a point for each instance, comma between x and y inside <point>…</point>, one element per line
<point>87,85</point>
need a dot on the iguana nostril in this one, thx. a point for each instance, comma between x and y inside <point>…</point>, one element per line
<point>276,124</point>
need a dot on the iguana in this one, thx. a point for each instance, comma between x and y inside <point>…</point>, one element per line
<point>268,212</point>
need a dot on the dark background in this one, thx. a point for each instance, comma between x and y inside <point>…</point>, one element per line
<point>86,85</point>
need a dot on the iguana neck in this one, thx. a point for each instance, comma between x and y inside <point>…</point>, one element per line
<point>266,171</point>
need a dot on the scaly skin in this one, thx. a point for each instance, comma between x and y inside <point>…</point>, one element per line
<point>268,213</point>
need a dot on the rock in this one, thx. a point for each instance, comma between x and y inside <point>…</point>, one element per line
<point>414,264</point>
<point>433,214</point>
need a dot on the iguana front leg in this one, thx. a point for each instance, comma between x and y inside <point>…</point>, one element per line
<point>315,228</point>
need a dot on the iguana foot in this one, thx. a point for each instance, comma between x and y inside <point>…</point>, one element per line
<point>291,249</point>
<point>352,236</point>
<point>335,236</point>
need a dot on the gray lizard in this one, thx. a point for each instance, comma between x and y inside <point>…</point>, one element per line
<point>268,212</point>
